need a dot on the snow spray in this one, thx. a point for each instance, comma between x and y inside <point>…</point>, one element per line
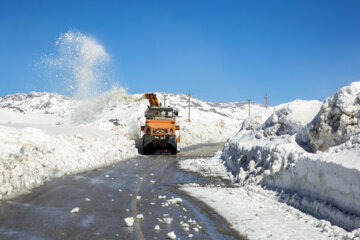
<point>80,62</point>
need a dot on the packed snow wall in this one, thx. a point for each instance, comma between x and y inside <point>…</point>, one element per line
<point>270,153</point>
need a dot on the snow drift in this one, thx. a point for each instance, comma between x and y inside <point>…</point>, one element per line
<point>270,149</point>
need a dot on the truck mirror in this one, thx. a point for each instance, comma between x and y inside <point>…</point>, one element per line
<point>176,112</point>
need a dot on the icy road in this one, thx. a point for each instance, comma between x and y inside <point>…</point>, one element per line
<point>94,205</point>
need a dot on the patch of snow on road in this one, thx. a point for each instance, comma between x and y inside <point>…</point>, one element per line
<point>206,166</point>
<point>129,221</point>
<point>256,213</point>
<point>75,210</point>
<point>171,235</point>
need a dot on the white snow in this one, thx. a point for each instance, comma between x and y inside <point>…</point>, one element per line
<point>75,210</point>
<point>168,220</point>
<point>338,119</point>
<point>309,153</point>
<point>157,228</point>
<point>222,117</point>
<point>171,235</point>
<point>259,215</point>
<point>46,135</point>
<point>140,216</point>
<point>273,154</point>
<point>185,226</point>
<point>129,221</point>
<point>172,201</point>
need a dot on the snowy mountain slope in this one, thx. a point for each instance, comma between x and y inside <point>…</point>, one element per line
<point>210,122</point>
<point>38,102</point>
<point>45,135</point>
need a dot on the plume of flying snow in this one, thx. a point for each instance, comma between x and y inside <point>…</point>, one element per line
<point>80,62</point>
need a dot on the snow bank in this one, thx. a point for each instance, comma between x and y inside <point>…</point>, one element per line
<point>271,146</point>
<point>333,177</point>
<point>30,156</point>
<point>272,153</point>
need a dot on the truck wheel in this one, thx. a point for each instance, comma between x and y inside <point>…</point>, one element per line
<point>173,151</point>
<point>145,151</point>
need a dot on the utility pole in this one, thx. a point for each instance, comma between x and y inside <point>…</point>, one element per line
<point>189,106</point>
<point>266,98</point>
<point>249,100</point>
<point>164,100</point>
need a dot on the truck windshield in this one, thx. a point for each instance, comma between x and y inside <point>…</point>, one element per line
<point>160,113</point>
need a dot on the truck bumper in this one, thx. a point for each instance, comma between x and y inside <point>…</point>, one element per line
<point>159,141</point>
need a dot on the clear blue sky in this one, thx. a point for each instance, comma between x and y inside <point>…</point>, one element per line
<point>221,50</point>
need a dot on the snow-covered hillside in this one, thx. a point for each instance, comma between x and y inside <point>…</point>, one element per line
<point>45,135</point>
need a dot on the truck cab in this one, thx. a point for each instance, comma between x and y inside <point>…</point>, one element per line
<point>160,130</point>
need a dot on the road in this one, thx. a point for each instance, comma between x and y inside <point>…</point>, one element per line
<point>146,185</point>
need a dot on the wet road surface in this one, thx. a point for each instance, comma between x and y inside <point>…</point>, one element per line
<point>146,185</point>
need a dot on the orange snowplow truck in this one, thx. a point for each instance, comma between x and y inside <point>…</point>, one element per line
<point>160,127</point>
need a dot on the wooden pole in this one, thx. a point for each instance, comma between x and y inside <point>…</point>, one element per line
<point>266,98</point>
<point>189,106</point>
<point>249,100</point>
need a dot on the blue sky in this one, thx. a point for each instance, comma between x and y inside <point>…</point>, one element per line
<point>220,50</point>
